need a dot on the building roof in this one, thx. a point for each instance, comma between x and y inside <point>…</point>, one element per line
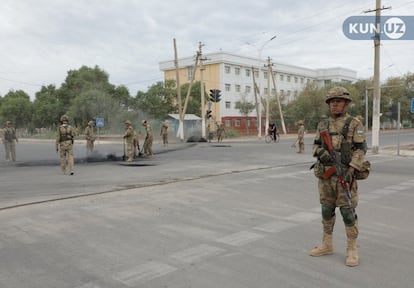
<point>186,117</point>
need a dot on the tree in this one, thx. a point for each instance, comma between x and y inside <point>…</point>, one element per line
<point>158,101</point>
<point>194,102</point>
<point>17,108</point>
<point>46,107</point>
<point>78,81</point>
<point>245,108</point>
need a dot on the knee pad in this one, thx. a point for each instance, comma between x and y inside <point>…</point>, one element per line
<point>349,216</point>
<point>327,212</point>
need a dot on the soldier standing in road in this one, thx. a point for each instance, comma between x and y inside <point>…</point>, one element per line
<point>348,138</point>
<point>9,139</point>
<point>89,137</point>
<point>129,138</point>
<point>301,136</point>
<point>220,132</point>
<point>64,141</point>
<point>148,139</point>
<point>164,133</point>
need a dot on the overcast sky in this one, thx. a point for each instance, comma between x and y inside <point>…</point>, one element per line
<point>41,40</point>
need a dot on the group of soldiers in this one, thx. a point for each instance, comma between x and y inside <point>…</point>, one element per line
<point>132,142</point>
<point>66,133</point>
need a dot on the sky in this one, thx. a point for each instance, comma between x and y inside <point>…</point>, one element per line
<point>41,40</point>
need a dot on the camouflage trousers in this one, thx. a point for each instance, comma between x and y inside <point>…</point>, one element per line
<point>10,147</point>
<point>332,193</point>
<point>148,146</point>
<point>66,153</point>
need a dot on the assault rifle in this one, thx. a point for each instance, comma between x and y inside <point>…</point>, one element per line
<point>338,167</point>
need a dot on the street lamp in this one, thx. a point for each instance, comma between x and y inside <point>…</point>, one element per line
<point>259,50</point>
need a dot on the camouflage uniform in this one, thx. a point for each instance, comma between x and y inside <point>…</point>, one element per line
<point>89,137</point>
<point>164,133</point>
<point>148,139</point>
<point>129,138</point>
<point>301,136</point>
<point>220,132</point>
<point>9,139</point>
<point>351,148</point>
<point>64,141</point>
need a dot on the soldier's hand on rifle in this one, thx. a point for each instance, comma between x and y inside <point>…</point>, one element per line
<point>324,155</point>
<point>350,174</point>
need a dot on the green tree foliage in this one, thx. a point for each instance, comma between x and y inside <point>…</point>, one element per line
<point>17,108</point>
<point>46,107</point>
<point>245,108</point>
<point>158,101</point>
<point>194,101</point>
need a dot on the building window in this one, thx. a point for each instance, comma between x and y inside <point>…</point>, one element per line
<point>265,74</point>
<point>288,93</point>
<point>227,69</point>
<point>248,122</point>
<point>190,71</point>
<point>248,88</point>
<point>273,91</point>
<point>237,122</point>
<point>302,80</point>
<point>237,88</point>
<point>228,104</point>
<point>227,87</point>
<point>282,92</point>
<point>237,71</point>
<point>281,77</point>
<point>256,73</point>
<point>248,72</point>
<point>308,81</point>
<point>228,122</point>
<point>295,94</point>
<point>288,78</point>
<point>296,79</point>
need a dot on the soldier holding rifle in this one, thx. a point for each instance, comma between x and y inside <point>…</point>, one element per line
<point>339,146</point>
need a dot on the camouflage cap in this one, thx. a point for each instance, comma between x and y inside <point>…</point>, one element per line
<point>338,92</point>
<point>90,123</point>
<point>300,122</point>
<point>127,122</point>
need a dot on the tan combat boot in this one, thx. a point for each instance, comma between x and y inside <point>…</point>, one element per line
<point>352,258</point>
<point>326,248</point>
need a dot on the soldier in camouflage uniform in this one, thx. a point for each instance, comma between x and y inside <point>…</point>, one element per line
<point>64,140</point>
<point>351,148</point>
<point>301,136</point>
<point>148,139</point>
<point>89,137</point>
<point>9,139</point>
<point>129,137</point>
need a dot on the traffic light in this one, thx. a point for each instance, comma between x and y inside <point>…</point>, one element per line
<point>215,95</point>
<point>218,95</point>
<point>208,114</point>
<point>212,95</point>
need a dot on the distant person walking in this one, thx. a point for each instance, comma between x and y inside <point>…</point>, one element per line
<point>9,139</point>
<point>64,142</point>
<point>89,137</point>
<point>148,139</point>
<point>301,136</point>
<point>220,132</point>
<point>164,133</point>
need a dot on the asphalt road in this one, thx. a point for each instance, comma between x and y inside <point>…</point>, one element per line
<point>237,214</point>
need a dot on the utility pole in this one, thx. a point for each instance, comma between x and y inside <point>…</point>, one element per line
<point>203,110</point>
<point>269,69</point>
<point>180,131</point>
<point>258,106</point>
<point>282,121</point>
<point>376,101</point>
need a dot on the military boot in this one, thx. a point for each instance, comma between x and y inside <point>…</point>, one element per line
<point>352,258</point>
<point>326,248</point>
